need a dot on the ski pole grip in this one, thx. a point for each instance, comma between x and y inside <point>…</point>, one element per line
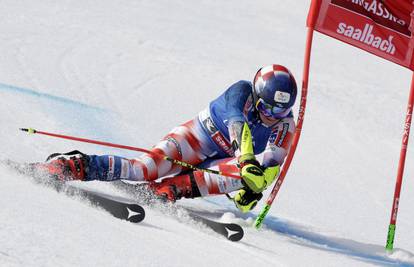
<point>28,130</point>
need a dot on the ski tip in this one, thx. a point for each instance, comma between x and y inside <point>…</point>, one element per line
<point>234,232</point>
<point>136,213</point>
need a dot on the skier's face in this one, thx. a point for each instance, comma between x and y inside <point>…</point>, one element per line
<point>269,121</point>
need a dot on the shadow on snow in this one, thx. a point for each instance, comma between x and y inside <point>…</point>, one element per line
<point>306,237</point>
<point>366,252</point>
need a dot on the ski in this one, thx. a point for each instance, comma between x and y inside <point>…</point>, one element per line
<point>230,231</point>
<point>118,207</point>
<point>125,209</point>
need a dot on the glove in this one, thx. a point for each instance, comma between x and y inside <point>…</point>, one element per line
<point>246,200</point>
<point>254,176</point>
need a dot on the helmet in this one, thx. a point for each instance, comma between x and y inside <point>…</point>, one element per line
<point>274,91</point>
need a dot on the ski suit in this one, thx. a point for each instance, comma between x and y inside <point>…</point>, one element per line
<point>205,141</point>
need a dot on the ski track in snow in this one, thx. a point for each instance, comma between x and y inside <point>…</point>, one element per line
<point>306,236</point>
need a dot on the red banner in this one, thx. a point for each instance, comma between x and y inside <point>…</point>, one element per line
<point>381,27</point>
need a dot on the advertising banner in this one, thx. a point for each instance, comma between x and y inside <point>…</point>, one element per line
<point>383,28</point>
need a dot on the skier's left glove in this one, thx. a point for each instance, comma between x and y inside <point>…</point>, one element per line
<point>254,176</point>
<point>246,199</point>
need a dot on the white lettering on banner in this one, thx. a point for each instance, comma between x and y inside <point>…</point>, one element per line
<point>367,37</point>
<point>377,8</point>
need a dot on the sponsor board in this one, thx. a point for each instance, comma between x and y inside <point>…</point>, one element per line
<point>382,28</point>
<point>381,12</point>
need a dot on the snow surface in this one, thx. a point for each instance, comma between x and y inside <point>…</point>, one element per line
<point>128,71</point>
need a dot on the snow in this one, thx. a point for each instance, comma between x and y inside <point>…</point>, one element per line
<point>128,71</point>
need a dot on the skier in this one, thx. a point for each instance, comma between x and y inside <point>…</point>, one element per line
<point>246,120</point>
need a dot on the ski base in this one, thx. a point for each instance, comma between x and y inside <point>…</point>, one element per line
<point>230,231</point>
<point>124,209</point>
<point>130,212</point>
<point>118,207</point>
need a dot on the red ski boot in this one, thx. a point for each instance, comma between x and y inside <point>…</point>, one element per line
<point>174,188</point>
<point>65,169</point>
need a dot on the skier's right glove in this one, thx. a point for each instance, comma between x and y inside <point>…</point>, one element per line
<point>246,200</point>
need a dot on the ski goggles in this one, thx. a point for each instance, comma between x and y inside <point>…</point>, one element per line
<point>271,111</point>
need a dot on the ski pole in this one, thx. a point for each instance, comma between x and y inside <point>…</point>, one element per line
<point>164,157</point>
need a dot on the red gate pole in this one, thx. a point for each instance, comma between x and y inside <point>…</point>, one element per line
<point>306,66</point>
<point>393,221</point>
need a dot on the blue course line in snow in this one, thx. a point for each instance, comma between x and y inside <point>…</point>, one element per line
<point>365,252</point>
<point>31,92</point>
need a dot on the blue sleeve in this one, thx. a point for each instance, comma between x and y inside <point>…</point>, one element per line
<point>104,168</point>
<point>235,98</point>
<point>229,106</point>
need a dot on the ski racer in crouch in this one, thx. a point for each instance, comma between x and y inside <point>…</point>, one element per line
<point>246,120</point>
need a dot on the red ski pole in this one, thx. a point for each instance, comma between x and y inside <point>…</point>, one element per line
<point>174,161</point>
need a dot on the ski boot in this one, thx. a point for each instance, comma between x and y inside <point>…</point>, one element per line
<point>62,168</point>
<point>175,188</point>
